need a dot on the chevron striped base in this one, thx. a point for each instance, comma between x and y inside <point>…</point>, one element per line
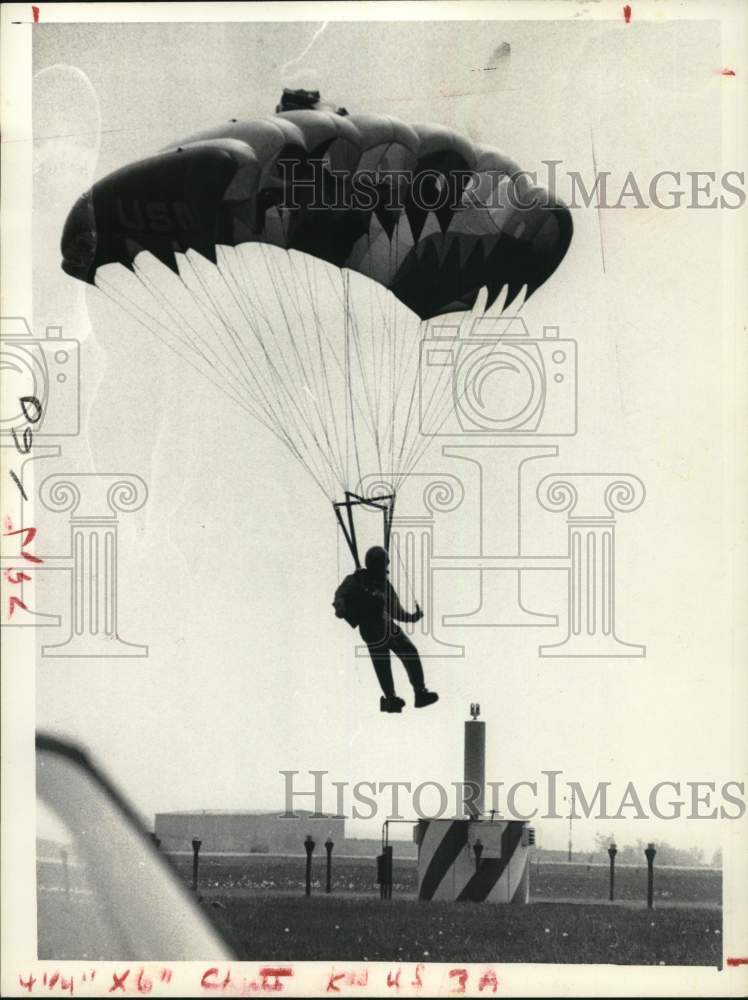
<point>447,867</point>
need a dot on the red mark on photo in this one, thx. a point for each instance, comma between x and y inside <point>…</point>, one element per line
<point>144,983</point>
<point>627,13</point>
<point>13,603</point>
<point>461,975</point>
<point>727,72</point>
<point>393,981</point>
<point>334,977</point>
<point>118,982</point>
<point>207,980</point>
<point>272,978</point>
<point>30,535</point>
<point>66,985</point>
<point>210,980</point>
<point>35,14</point>
<point>737,961</point>
<point>348,979</point>
<point>488,979</point>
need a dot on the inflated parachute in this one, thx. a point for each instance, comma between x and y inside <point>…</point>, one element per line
<point>296,260</point>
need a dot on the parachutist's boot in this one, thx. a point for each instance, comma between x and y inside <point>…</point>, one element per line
<point>424,698</point>
<point>391,704</point>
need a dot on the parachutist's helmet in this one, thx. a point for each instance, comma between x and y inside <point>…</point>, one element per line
<point>377,560</point>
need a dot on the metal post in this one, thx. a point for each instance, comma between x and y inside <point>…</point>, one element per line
<point>478,850</point>
<point>309,846</point>
<point>571,817</point>
<point>382,861</point>
<point>328,847</point>
<point>650,853</point>
<point>475,762</point>
<point>196,845</point>
<point>612,851</point>
<point>381,878</point>
<point>388,872</point>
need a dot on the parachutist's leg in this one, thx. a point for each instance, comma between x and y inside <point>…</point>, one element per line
<point>404,649</point>
<point>380,657</point>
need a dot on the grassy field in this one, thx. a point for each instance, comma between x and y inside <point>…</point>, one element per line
<point>277,927</point>
<point>259,903</point>
<point>580,881</point>
<point>548,881</point>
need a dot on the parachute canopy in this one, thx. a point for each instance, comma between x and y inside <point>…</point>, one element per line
<point>351,190</point>
<point>295,261</point>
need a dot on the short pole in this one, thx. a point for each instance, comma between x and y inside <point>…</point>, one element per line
<point>156,841</point>
<point>196,845</point>
<point>328,847</point>
<point>612,851</point>
<point>650,853</point>
<point>478,851</point>
<point>388,871</point>
<point>309,846</point>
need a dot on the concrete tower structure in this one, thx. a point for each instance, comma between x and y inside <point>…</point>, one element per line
<point>474,859</point>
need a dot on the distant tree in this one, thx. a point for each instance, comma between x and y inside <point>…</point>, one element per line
<point>695,856</point>
<point>717,858</point>
<point>667,854</point>
<point>603,842</point>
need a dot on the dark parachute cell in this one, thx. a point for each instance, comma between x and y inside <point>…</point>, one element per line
<point>420,209</point>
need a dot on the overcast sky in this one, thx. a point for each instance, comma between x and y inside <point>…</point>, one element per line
<point>227,572</point>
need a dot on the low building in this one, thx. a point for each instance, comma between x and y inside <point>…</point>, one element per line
<point>245,832</point>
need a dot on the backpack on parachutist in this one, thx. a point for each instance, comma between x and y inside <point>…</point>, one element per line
<point>353,599</point>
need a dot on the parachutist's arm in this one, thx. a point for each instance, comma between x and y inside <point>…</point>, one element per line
<point>397,611</point>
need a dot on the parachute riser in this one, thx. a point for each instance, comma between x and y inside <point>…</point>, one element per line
<point>384,503</point>
<point>389,513</point>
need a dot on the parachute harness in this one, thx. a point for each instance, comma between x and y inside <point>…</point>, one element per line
<point>384,503</point>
